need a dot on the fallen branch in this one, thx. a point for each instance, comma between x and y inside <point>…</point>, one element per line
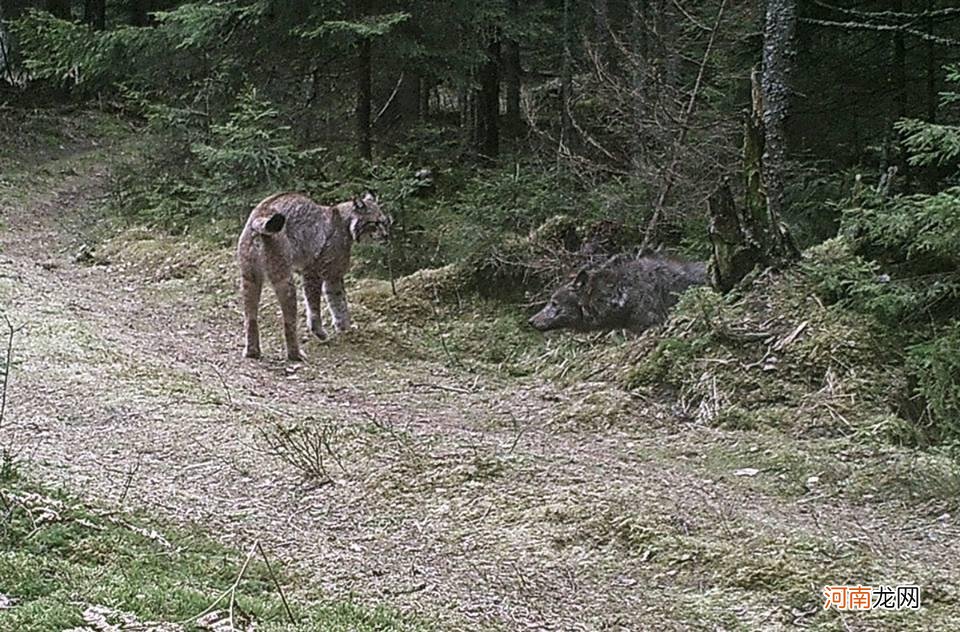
<point>442,387</point>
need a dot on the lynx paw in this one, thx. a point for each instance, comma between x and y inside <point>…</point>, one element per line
<point>343,328</point>
<point>318,331</point>
<point>348,332</point>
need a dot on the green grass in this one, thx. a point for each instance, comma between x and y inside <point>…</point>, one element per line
<point>58,557</point>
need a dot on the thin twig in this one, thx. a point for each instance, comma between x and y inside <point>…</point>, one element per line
<point>670,171</point>
<point>396,88</point>
<point>7,361</point>
<point>236,582</point>
<point>129,479</point>
<point>441,387</point>
<point>859,26</point>
<point>438,320</point>
<point>276,583</point>
<point>223,381</point>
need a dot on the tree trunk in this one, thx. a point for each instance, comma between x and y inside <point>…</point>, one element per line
<point>403,105</point>
<point>139,12</point>
<point>601,29</point>
<point>753,146</point>
<point>403,100</point>
<point>778,61</point>
<point>10,68</point>
<point>512,72</point>
<point>362,107</point>
<point>59,8</point>
<point>736,250</point>
<point>362,86</point>
<point>511,76</point>
<point>666,20</point>
<point>95,13</point>
<point>930,175</point>
<point>13,9</point>
<point>566,76</point>
<point>639,48</point>
<point>933,97</point>
<point>488,104</point>
<point>425,89</point>
<point>899,75</point>
<point>744,238</point>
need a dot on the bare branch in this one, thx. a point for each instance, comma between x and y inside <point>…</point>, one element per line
<point>669,172</point>
<point>393,95</point>
<point>862,26</point>
<point>276,583</point>
<point>882,15</point>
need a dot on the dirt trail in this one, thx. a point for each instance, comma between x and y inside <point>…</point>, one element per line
<point>459,500</point>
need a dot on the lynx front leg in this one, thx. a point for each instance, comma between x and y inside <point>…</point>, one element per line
<point>337,302</point>
<point>250,288</point>
<point>312,291</point>
<point>287,297</point>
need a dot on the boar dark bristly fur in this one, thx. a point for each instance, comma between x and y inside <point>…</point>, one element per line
<point>623,293</point>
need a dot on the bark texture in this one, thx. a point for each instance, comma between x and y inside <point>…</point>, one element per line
<point>779,55</point>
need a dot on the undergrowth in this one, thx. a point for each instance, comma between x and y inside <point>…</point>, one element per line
<point>63,564</point>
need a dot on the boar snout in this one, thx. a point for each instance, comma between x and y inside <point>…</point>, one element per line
<point>539,321</point>
<point>562,310</point>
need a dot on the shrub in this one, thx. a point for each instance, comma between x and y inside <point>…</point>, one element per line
<point>245,154</point>
<point>934,364</point>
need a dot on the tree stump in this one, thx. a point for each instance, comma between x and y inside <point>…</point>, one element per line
<point>736,251</point>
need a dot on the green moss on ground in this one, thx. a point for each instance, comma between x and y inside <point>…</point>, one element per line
<point>59,558</point>
<point>771,354</point>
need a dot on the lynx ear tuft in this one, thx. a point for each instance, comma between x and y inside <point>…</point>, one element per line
<point>275,224</point>
<point>269,225</point>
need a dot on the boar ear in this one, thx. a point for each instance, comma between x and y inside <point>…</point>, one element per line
<point>582,277</point>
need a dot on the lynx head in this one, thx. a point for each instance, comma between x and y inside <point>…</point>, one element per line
<point>367,221</point>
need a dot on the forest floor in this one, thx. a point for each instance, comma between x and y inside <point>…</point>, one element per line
<point>461,497</point>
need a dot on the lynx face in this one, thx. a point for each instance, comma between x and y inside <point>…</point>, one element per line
<point>368,222</point>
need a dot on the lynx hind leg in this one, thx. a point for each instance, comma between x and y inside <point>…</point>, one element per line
<point>312,291</point>
<point>287,297</point>
<point>337,302</point>
<point>251,285</point>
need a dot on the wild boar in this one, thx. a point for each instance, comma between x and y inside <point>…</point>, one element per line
<point>622,293</point>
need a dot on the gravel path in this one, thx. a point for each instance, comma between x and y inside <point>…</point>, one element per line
<point>460,499</point>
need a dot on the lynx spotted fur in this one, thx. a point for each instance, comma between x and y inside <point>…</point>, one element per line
<point>289,232</point>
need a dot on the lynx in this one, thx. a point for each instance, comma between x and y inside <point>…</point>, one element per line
<point>289,232</point>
